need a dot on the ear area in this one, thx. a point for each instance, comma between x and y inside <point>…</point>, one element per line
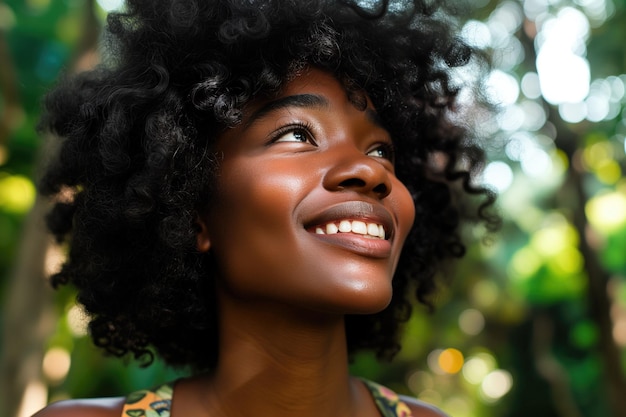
<point>203,243</point>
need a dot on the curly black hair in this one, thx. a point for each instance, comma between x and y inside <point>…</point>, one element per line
<point>136,152</point>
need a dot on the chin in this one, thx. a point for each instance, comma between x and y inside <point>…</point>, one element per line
<point>365,300</point>
<point>373,307</point>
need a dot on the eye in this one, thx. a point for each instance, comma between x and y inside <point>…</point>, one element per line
<point>383,150</point>
<point>299,135</point>
<point>294,133</point>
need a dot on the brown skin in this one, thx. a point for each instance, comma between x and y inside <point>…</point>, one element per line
<point>283,290</point>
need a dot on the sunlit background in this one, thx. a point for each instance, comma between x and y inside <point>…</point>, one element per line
<point>534,322</point>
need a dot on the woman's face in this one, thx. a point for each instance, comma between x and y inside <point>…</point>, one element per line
<point>308,211</point>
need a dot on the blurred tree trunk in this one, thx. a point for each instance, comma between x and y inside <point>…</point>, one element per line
<point>598,301</point>
<point>550,368</point>
<point>27,308</point>
<point>10,95</point>
<point>29,320</point>
<point>29,315</point>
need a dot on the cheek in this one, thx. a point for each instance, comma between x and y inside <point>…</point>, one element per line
<point>258,199</point>
<point>405,207</point>
<point>251,181</point>
<point>251,224</point>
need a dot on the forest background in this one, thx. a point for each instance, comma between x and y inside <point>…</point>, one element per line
<point>533,323</point>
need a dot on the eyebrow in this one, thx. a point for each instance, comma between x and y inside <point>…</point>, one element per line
<point>298,100</point>
<point>313,101</point>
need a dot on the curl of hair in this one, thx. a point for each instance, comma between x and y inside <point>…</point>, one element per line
<point>136,152</point>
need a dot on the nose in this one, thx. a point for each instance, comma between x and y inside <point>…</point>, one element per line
<point>353,170</point>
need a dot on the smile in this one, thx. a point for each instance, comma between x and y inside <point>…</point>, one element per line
<point>371,230</point>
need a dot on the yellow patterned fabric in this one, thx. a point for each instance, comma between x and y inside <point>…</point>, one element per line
<point>388,402</point>
<point>157,402</point>
<point>149,403</point>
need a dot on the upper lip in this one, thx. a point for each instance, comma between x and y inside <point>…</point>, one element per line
<point>354,210</point>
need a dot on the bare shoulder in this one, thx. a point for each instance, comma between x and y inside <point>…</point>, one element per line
<point>95,407</point>
<point>422,409</point>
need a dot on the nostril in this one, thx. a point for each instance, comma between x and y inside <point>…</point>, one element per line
<point>352,183</point>
<point>363,175</point>
<point>380,189</point>
<point>359,184</point>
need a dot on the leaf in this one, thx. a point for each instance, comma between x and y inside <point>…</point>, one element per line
<point>135,397</point>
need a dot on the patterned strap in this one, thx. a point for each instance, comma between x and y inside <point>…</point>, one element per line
<point>388,402</point>
<point>149,403</point>
<point>157,402</point>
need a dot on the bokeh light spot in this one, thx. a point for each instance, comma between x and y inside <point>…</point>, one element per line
<point>55,257</point>
<point>471,322</point>
<point>519,143</point>
<point>563,76</point>
<point>34,398</point>
<point>7,18</point>
<point>525,263</point>
<point>534,115</point>
<point>536,162</point>
<point>619,331</point>
<point>477,368</point>
<point>597,154</point>
<point>496,385</point>
<point>433,361</point>
<point>573,112</point>
<point>512,118</point>
<point>607,212</point>
<point>485,293</point>
<point>534,8</point>
<point>550,241</point>
<point>568,261</point>
<point>17,193</point>
<point>56,364</point>
<point>502,88</point>
<point>419,381</point>
<point>530,85</point>
<point>498,175</point>
<point>618,89</point>
<point>609,172</point>
<point>597,107</point>
<point>476,33</point>
<point>508,14</point>
<point>77,321</point>
<point>110,5</point>
<point>451,361</point>
<point>38,5</point>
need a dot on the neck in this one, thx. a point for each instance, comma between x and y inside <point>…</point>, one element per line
<point>276,360</point>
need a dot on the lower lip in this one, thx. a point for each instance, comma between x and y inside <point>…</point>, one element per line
<point>370,247</point>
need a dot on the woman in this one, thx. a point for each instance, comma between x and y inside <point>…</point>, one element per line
<point>253,190</point>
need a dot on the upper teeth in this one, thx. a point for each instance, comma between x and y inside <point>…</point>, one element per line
<point>354,226</point>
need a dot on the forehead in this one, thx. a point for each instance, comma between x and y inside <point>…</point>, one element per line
<point>312,88</point>
<point>313,79</point>
<point>320,80</point>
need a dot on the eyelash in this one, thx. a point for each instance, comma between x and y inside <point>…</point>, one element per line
<point>306,128</point>
<point>302,127</point>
